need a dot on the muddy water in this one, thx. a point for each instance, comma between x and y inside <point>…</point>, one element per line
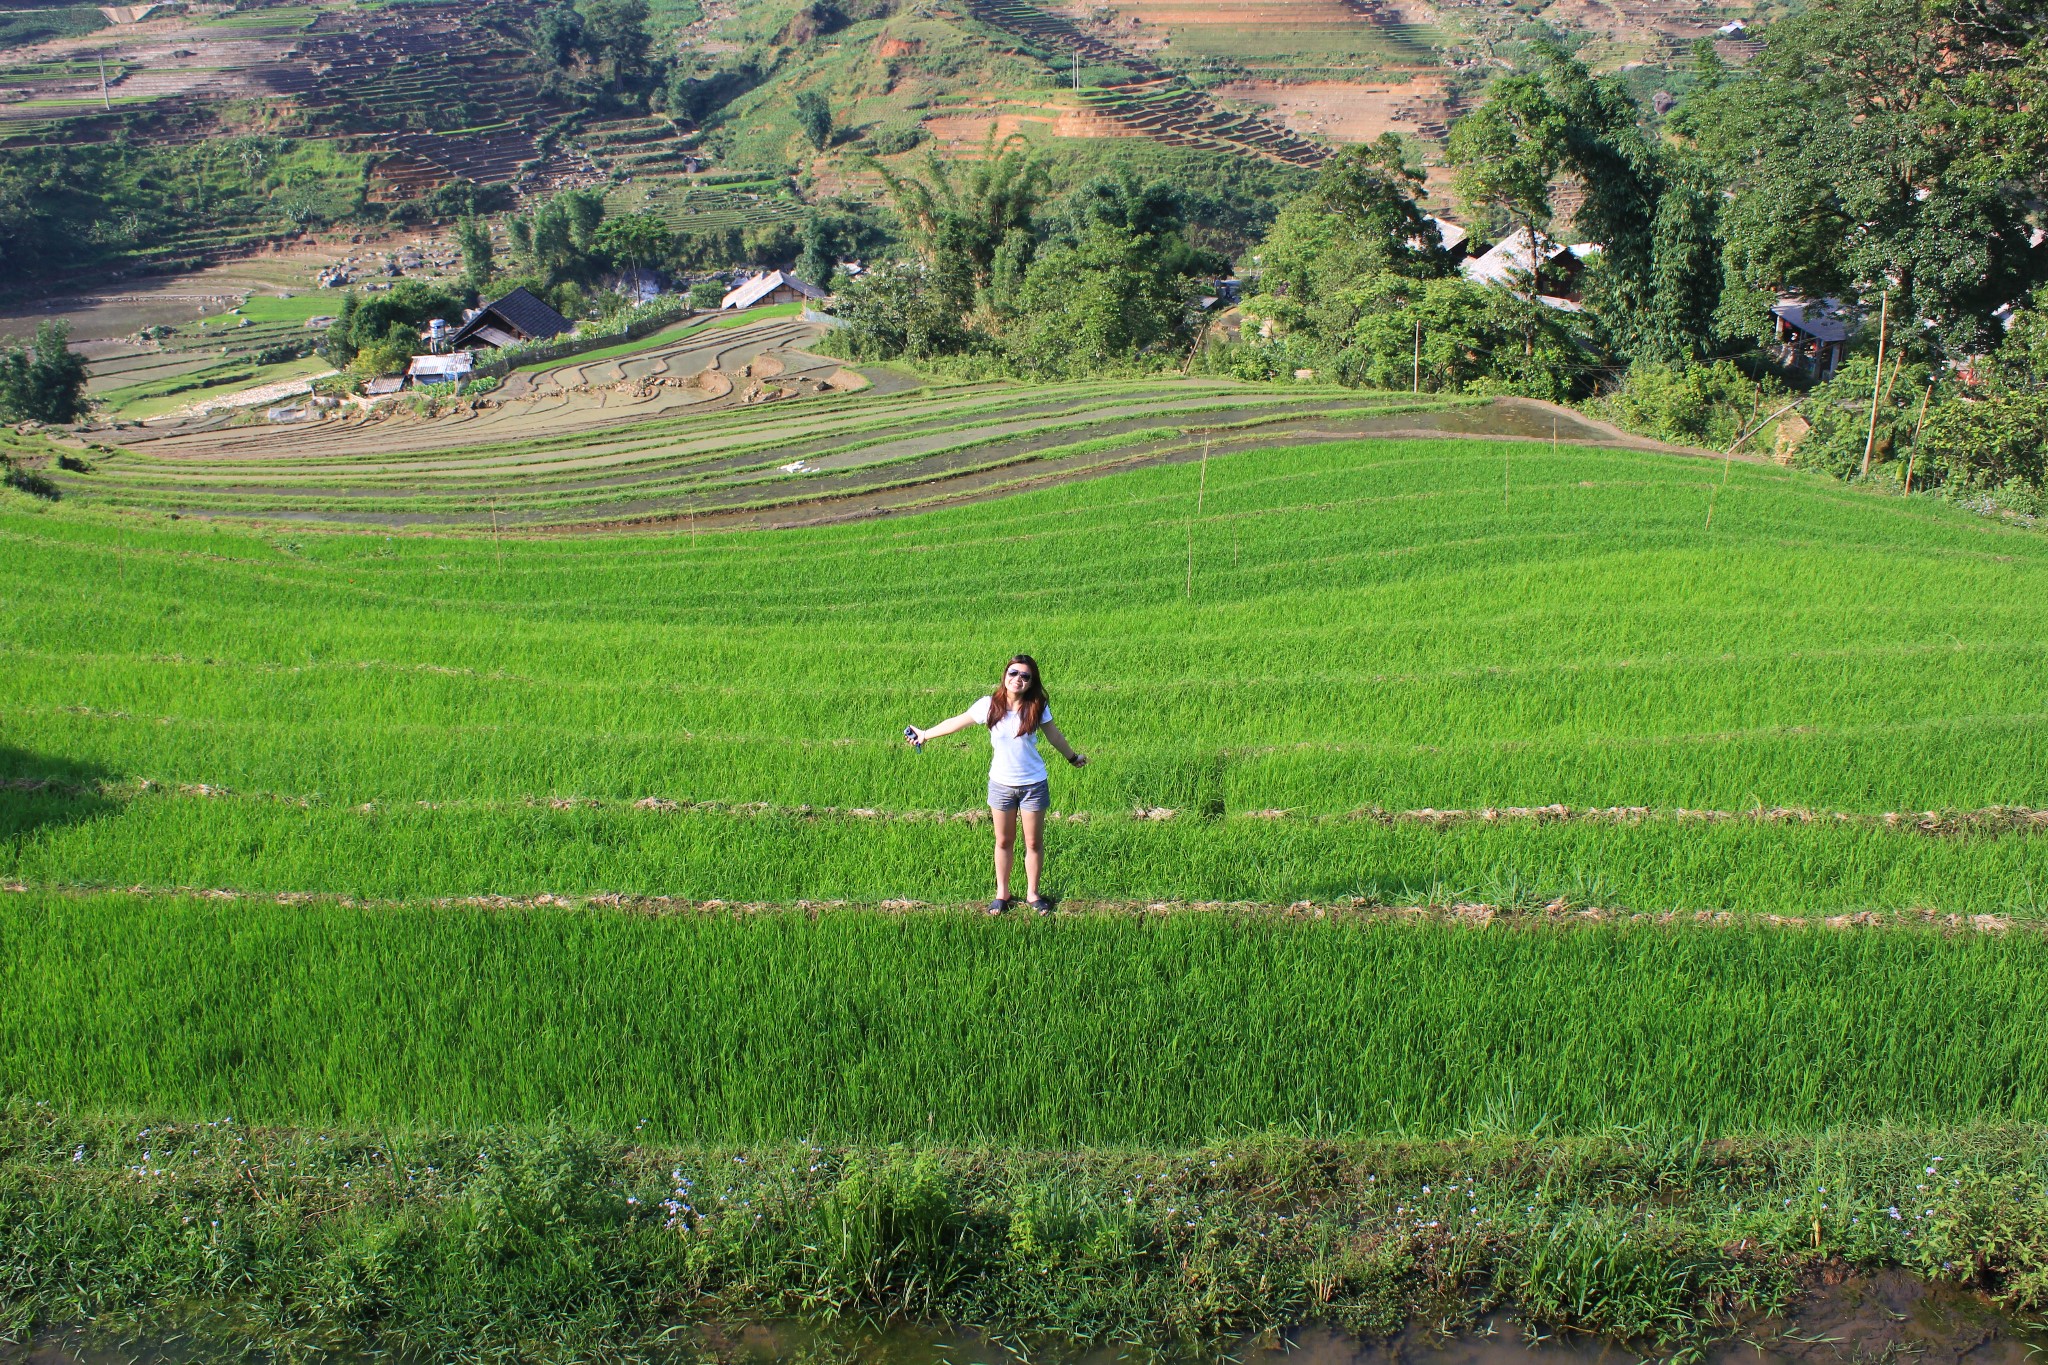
<point>1887,1318</point>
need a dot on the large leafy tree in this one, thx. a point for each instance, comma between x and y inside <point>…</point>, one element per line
<point>1507,151</point>
<point>1886,145</point>
<point>44,382</point>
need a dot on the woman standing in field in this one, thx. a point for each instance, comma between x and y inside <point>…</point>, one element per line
<point>1016,714</point>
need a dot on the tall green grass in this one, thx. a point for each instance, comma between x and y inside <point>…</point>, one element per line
<point>405,852</point>
<point>866,1027</point>
<point>1365,624</point>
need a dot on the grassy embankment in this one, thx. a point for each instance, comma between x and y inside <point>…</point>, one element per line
<point>549,1245</point>
<point>1366,630</point>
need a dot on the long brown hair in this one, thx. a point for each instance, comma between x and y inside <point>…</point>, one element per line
<point>1031,710</point>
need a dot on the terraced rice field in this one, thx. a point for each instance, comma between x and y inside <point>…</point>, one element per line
<point>1559,781</point>
<point>710,420</point>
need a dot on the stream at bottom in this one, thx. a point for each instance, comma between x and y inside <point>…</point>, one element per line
<point>1882,1318</point>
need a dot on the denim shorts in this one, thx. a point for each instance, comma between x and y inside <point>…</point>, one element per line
<point>1034,796</point>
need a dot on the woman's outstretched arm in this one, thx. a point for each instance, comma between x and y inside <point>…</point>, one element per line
<point>1059,741</point>
<point>942,729</point>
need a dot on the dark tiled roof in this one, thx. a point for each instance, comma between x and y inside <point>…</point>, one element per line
<point>522,311</point>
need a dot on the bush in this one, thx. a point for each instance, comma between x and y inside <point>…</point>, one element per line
<point>1711,405</point>
<point>895,139</point>
<point>1839,413</point>
<point>33,482</point>
<point>1993,445</point>
<point>44,382</point>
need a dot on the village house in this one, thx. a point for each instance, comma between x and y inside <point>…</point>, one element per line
<point>1811,335</point>
<point>776,286</point>
<point>518,316</point>
<point>452,368</point>
<point>1528,262</point>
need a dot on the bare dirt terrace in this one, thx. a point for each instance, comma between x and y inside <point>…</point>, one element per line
<point>1348,111</point>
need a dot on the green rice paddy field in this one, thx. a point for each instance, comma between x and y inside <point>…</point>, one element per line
<point>344,827</point>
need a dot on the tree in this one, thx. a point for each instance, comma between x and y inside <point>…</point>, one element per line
<point>1506,152</point>
<point>1887,145</point>
<point>1684,284</point>
<point>1373,190</point>
<point>44,382</point>
<point>958,229</point>
<point>473,239</point>
<point>814,118</point>
<point>339,346</point>
<point>558,34</point>
<point>557,239</point>
<point>1099,303</point>
<point>402,310</point>
<point>1473,338</point>
<point>615,32</point>
<point>636,239</point>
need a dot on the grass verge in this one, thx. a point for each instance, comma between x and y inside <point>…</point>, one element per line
<point>546,1243</point>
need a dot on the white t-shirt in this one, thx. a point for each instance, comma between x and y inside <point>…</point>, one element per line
<point>1016,762</point>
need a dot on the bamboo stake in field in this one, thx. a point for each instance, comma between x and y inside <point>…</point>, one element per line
<point>1727,462</point>
<point>1201,491</point>
<point>1914,458</point>
<point>1418,357</point>
<point>497,545</point>
<point>1884,316</point>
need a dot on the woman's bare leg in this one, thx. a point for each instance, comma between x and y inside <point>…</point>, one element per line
<point>1006,852</point>
<point>1034,850</point>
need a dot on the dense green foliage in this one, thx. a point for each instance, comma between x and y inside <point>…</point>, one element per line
<point>1100,281</point>
<point>1877,150</point>
<point>76,206</point>
<point>43,382</point>
<point>544,1244</point>
<point>867,1027</point>
<point>1370,625</point>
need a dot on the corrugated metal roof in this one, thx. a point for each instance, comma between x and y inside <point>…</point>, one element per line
<point>761,286</point>
<point>1823,319</point>
<point>450,366</point>
<point>1510,256</point>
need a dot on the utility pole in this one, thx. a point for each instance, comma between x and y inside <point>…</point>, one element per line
<point>1077,68</point>
<point>108,103</point>
<point>1884,316</point>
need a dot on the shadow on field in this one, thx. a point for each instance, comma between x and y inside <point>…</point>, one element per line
<point>37,790</point>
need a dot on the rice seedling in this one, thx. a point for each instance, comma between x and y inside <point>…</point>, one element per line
<point>864,1027</point>
<point>1368,633</point>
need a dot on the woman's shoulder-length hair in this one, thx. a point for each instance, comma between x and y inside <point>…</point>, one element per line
<point>1031,710</point>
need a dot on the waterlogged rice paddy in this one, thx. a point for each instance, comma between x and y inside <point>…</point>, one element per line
<point>355,826</point>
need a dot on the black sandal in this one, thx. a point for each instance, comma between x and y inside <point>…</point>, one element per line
<point>998,905</point>
<point>1042,905</point>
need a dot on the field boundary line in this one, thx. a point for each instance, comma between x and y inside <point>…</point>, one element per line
<point>1555,914</point>
<point>1980,821</point>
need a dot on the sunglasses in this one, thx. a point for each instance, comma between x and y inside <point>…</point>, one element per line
<point>1018,673</point>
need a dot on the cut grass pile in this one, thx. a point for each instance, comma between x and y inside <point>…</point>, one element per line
<point>1369,627</point>
<point>1089,1030</point>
